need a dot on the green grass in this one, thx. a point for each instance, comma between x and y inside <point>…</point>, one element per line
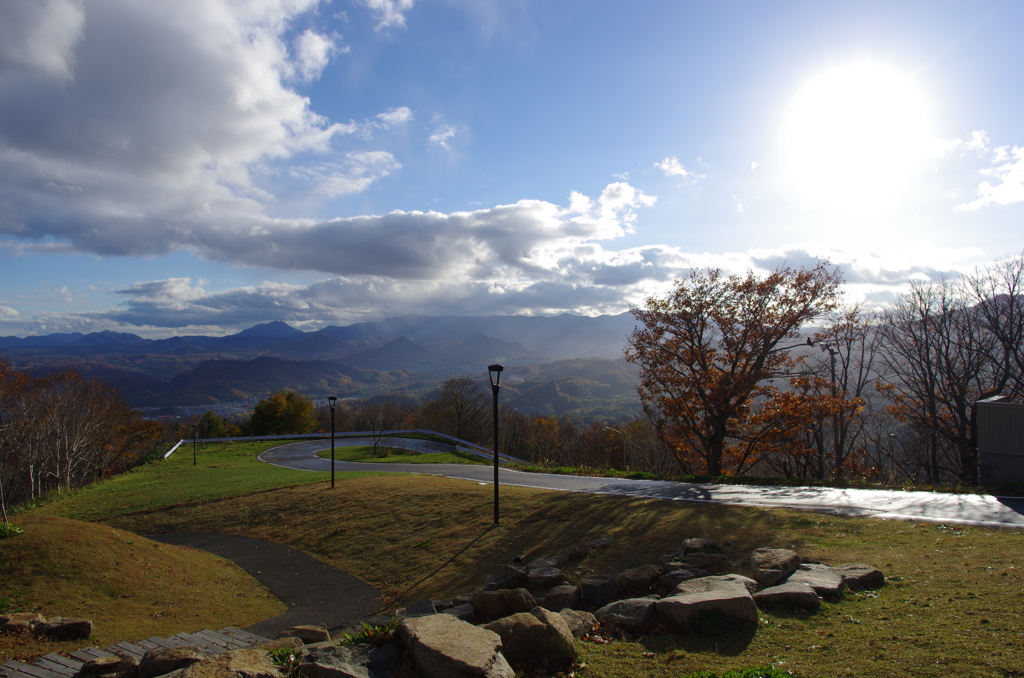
<point>396,455</point>
<point>223,470</point>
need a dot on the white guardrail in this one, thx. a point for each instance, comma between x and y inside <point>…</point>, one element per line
<point>460,445</point>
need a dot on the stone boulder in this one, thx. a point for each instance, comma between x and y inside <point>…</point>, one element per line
<point>505,577</point>
<point>732,605</point>
<point>676,577</point>
<point>859,577</point>
<point>464,612</point>
<point>542,578</point>
<point>825,581</point>
<point>64,628</point>
<point>420,608</point>
<point>20,622</point>
<point>248,662</point>
<point>362,660</point>
<point>534,637</point>
<point>442,646</point>
<point>561,597</point>
<point>166,659</point>
<point>490,605</point>
<point>795,597</point>
<point>307,634</point>
<point>772,566</point>
<point>716,583</point>
<point>518,600</point>
<point>637,581</point>
<point>715,563</point>
<point>579,622</point>
<point>120,665</point>
<point>699,545</point>
<point>631,613</point>
<point>598,590</point>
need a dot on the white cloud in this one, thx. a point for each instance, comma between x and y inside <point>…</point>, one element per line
<point>441,136</point>
<point>357,173</point>
<point>394,117</point>
<point>40,36</point>
<point>672,167</point>
<point>1008,174</point>
<point>313,52</point>
<point>389,13</point>
<point>8,312</point>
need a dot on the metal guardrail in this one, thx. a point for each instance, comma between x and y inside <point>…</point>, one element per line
<point>460,445</point>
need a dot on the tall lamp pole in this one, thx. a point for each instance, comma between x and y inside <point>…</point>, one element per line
<point>494,373</point>
<point>333,400</point>
<point>625,463</point>
<point>193,444</point>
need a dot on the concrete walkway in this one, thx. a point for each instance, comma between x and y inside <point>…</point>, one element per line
<point>314,592</point>
<point>981,510</point>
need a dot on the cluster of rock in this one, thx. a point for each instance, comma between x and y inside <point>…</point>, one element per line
<point>54,628</point>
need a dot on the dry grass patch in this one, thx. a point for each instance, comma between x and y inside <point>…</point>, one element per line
<point>951,607</point>
<point>130,587</point>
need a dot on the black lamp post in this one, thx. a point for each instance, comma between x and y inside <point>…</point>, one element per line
<point>333,401</point>
<point>193,444</point>
<point>494,373</point>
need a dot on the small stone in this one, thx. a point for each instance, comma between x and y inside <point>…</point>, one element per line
<point>505,577</point>
<point>518,600</point>
<point>166,659</point>
<point>307,634</point>
<point>65,628</point>
<point>796,596</point>
<point>729,605</point>
<point>362,660</point>
<point>825,581</point>
<point>464,612</point>
<point>631,613</point>
<point>544,578</point>
<point>676,577</point>
<point>490,605</point>
<point>420,608</point>
<point>598,590</point>
<point>859,577</point>
<point>772,566</point>
<point>561,597</point>
<point>20,622</point>
<point>247,662</point>
<point>580,623</point>
<point>637,581</point>
<point>442,646</point>
<point>716,583</point>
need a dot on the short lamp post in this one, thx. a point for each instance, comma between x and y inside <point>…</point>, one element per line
<point>625,462</point>
<point>332,400</point>
<point>494,373</point>
<point>193,444</point>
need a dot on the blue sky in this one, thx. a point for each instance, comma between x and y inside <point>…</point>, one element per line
<point>204,165</point>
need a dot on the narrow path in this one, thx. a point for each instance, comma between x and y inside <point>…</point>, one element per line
<point>981,510</point>
<point>314,592</point>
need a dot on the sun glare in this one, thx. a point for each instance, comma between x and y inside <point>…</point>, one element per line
<point>854,134</point>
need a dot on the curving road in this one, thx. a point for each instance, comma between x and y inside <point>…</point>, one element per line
<point>965,509</point>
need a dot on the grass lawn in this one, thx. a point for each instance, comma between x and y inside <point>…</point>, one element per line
<point>223,470</point>
<point>396,455</point>
<point>951,606</point>
<point>130,587</point>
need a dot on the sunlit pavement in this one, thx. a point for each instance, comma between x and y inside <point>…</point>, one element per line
<point>962,509</point>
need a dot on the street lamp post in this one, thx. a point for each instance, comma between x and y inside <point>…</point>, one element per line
<point>494,374</point>
<point>193,444</point>
<point>625,464</point>
<point>333,401</point>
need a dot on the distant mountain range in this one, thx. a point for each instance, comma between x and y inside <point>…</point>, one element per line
<point>553,365</point>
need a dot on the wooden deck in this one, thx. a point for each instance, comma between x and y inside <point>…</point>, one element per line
<point>57,666</point>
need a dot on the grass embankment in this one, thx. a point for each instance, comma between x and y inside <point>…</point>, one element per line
<point>396,455</point>
<point>130,587</point>
<point>950,608</point>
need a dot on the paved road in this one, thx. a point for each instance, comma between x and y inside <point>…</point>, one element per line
<point>966,509</point>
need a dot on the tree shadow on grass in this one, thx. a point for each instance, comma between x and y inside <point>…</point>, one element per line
<point>728,640</point>
<point>451,560</point>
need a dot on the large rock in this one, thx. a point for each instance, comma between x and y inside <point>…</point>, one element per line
<point>788,596</point>
<point>505,577</point>
<point>598,590</point>
<point>442,646</point>
<point>248,662</point>
<point>490,605</point>
<point>731,605</point>
<point>420,608</point>
<point>362,660</point>
<point>631,613</point>
<point>122,664</point>
<point>712,562</point>
<point>307,634</point>
<point>699,545</point>
<point>20,622</point>
<point>536,636</point>
<point>518,600</point>
<point>717,583</point>
<point>65,628</point>
<point>561,597</point>
<point>464,612</point>
<point>579,622</point>
<point>825,581</point>
<point>859,577</point>
<point>772,566</point>
<point>166,659</point>
<point>542,578</point>
<point>676,577</point>
<point>637,581</point>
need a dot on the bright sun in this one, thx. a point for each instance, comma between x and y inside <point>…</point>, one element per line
<point>854,134</point>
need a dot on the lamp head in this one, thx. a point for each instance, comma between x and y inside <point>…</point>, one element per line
<point>494,373</point>
<point>332,400</point>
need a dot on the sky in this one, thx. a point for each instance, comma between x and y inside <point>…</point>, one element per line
<point>201,166</point>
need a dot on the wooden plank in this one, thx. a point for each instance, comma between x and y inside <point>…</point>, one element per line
<point>70,663</point>
<point>55,667</point>
<point>163,642</point>
<point>94,652</point>
<point>251,637</point>
<point>222,641</point>
<point>131,648</point>
<point>148,645</point>
<point>35,671</point>
<point>81,655</point>
<point>11,672</point>
<point>202,644</point>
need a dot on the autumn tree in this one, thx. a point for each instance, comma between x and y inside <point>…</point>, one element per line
<point>461,409</point>
<point>707,351</point>
<point>282,413</point>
